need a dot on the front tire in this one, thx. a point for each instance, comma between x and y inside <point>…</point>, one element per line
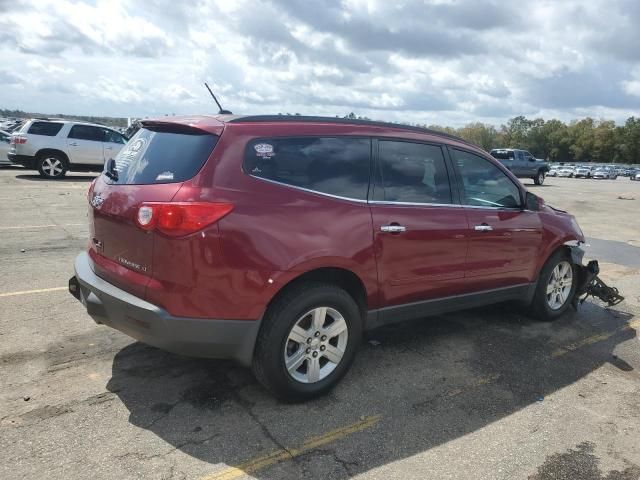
<point>307,342</point>
<point>52,166</point>
<point>539,178</point>
<point>555,288</point>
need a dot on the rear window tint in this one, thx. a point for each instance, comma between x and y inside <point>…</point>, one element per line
<point>333,165</point>
<point>49,129</point>
<point>502,154</point>
<point>162,157</point>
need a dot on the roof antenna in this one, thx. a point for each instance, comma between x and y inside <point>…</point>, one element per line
<point>222,111</point>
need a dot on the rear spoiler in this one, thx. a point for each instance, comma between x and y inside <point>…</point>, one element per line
<point>186,125</point>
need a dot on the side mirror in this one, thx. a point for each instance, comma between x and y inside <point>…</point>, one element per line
<point>531,159</point>
<point>532,202</point>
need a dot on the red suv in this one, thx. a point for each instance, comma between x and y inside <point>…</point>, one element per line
<point>276,240</point>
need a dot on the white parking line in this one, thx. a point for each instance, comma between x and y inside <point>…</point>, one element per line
<point>27,292</point>
<point>31,227</point>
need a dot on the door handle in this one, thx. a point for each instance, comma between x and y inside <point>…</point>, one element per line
<point>108,148</point>
<point>483,228</point>
<point>393,228</point>
<point>74,144</point>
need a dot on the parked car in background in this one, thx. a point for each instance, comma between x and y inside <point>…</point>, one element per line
<point>583,171</point>
<point>54,146</point>
<point>634,174</point>
<point>566,171</point>
<point>201,241</point>
<point>521,163</point>
<point>605,172</point>
<point>5,138</point>
<point>553,171</point>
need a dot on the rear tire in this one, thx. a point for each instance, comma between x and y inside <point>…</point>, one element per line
<point>556,287</point>
<point>539,179</point>
<point>295,347</point>
<point>52,166</point>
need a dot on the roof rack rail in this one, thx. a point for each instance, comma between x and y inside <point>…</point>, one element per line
<point>348,121</point>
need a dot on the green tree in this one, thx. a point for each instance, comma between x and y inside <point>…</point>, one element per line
<point>483,135</point>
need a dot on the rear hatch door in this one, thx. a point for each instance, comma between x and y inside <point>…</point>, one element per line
<point>151,167</point>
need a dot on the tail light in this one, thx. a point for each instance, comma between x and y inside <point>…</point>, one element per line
<point>90,191</point>
<point>15,140</point>
<point>177,219</point>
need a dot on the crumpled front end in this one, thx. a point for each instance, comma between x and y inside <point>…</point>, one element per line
<point>589,284</point>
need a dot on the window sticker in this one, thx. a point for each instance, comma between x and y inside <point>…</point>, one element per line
<point>135,148</point>
<point>264,150</point>
<point>164,176</point>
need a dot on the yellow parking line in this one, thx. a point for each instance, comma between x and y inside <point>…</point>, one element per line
<point>594,339</point>
<point>30,227</point>
<point>278,456</point>
<point>28,292</point>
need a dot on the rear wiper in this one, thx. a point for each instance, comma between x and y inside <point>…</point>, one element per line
<point>111,171</point>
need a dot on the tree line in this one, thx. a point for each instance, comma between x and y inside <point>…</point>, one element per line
<point>107,121</point>
<point>585,140</point>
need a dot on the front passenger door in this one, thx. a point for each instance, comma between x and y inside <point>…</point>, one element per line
<point>530,164</point>
<point>113,143</point>
<point>505,239</point>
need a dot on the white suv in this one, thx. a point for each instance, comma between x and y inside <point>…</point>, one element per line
<point>54,146</point>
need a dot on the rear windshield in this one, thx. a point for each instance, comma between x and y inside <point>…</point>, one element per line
<point>502,154</point>
<point>49,129</point>
<point>153,156</point>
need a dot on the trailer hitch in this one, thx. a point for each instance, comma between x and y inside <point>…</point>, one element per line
<point>592,285</point>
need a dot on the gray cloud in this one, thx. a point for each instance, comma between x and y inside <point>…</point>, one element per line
<point>457,61</point>
<point>8,78</point>
<point>587,88</point>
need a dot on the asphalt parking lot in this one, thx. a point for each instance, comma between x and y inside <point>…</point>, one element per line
<point>481,394</point>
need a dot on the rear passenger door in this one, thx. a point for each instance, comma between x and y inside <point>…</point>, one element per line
<point>84,144</point>
<point>420,235</point>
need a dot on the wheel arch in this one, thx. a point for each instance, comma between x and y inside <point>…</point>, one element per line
<point>49,151</point>
<point>342,277</point>
<point>565,245</point>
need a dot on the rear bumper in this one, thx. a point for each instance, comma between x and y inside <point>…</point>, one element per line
<point>24,160</point>
<point>150,324</point>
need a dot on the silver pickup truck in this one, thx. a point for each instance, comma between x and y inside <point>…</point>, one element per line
<point>54,146</point>
<point>522,164</point>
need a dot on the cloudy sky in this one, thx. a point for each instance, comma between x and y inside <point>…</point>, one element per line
<point>442,61</point>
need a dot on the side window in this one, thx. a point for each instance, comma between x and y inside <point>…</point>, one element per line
<point>86,132</point>
<point>483,183</point>
<point>113,137</point>
<point>519,156</point>
<point>333,165</point>
<point>50,129</point>
<point>413,173</point>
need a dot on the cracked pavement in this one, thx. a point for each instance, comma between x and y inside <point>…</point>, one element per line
<point>485,393</point>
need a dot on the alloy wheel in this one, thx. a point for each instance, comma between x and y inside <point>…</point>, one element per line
<point>316,344</point>
<point>52,167</point>
<point>559,286</point>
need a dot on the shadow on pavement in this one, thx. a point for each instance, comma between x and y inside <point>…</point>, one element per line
<point>67,178</point>
<point>432,380</point>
